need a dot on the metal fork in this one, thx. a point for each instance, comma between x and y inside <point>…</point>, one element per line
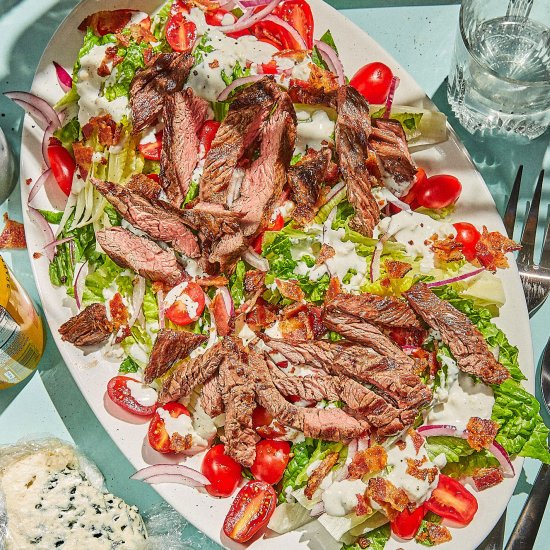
<point>535,277</point>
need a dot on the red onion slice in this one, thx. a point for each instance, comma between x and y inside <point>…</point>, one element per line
<point>334,191</point>
<point>78,285</point>
<point>63,77</point>
<point>194,477</point>
<point>253,3</point>
<point>245,22</point>
<point>438,430</point>
<point>289,28</point>
<point>46,175</point>
<point>160,303</point>
<point>255,260</point>
<point>137,300</point>
<point>227,300</point>
<point>38,106</point>
<point>391,93</point>
<point>330,57</point>
<point>503,458</point>
<point>55,243</point>
<point>224,94</point>
<point>48,133</point>
<point>456,279</point>
<point>44,226</point>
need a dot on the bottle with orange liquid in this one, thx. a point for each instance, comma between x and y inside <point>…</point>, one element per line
<point>21,331</point>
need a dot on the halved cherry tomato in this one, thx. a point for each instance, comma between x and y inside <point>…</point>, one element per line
<point>373,82</point>
<point>120,393</point>
<point>297,14</point>
<point>468,235</point>
<point>261,418</point>
<point>215,18</point>
<point>251,511</point>
<point>158,437</point>
<point>451,500</point>
<point>222,471</point>
<point>63,167</point>
<point>270,68</point>
<point>154,177</point>
<point>438,191</point>
<point>271,459</point>
<point>207,135</point>
<point>406,524</point>
<point>177,312</point>
<point>276,225</point>
<point>180,33</point>
<point>151,149</point>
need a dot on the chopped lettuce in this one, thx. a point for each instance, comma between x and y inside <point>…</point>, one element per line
<point>192,192</point>
<point>160,19</point>
<point>288,517</point>
<point>375,539</point>
<point>201,48</point>
<point>128,366</point>
<point>107,275</point>
<point>236,283</point>
<point>51,217</point>
<point>316,56</point>
<point>468,465</point>
<point>454,448</point>
<point>430,517</point>
<point>69,133</point>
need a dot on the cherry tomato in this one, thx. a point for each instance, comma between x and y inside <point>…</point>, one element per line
<point>177,312</point>
<point>260,417</point>
<point>251,510</point>
<point>207,135</point>
<point>373,81</point>
<point>120,393</point>
<point>270,68</point>
<point>438,191</point>
<point>297,14</point>
<point>63,167</point>
<point>215,19</point>
<point>222,471</point>
<point>180,33</point>
<point>468,235</point>
<point>159,438</point>
<point>406,524</point>
<point>154,177</point>
<point>451,500</point>
<point>271,459</point>
<point>179,6</point>
<point>276,225</point>
<point>151,150</point>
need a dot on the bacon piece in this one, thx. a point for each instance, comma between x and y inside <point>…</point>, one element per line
<point>401,445</point>
<point>433,534</point>
<point>322,471</point>
<point>414,469</point>
<point>368,461</point>
<point>446,250</point>
<point>292,310</point>
<point>481,432</point>
<point>315,315</point>
<point>297,327</point>
<point>179,443</point>
<point>253,280</point>
<point>83,157</point>
<point>325,254</point>
<point>107,21</point>
<point>119,311</point>
<point>363,507</point>
<point>396,269</point>
<point>290,289</point>
<point>484,478</point>
<point>417,439</point>
<point>212,280</point>
<point>491,249</point>
<point>13,234</point>
<point>391,499</point>
<point>261,316</point>
<point>108,131</point>
<point>225,323</point>
<point>140,34</point>
<point>334,289</point>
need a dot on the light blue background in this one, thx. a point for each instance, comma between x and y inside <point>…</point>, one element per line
<point>420,35</point>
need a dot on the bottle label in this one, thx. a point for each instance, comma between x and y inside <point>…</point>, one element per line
<point>18,355</point>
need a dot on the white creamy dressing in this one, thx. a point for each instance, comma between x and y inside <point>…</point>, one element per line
<point>382,196</point>
<point>183,425</point>
<point>341,497</point>
<point>246,334</point>
<point>465,400</point>
<point>285,210</point>
<point>417,490</point>
<point>90,86</point>
<point>149,135</point>
<point>143,394</point>
<point>178,294</point>
<point>415,231</point>
<point>399,189</point>
<point>312,129</point>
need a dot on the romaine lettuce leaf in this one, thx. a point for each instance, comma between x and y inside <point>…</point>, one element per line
<point>454,448</point>
<point>301,453</point>
<point>128,366</point>
<point>236,283</point>
<point>377,539</point>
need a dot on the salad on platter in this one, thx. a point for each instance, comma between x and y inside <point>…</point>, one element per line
<point>286,293</point>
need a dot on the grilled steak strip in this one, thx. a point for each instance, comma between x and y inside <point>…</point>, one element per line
<point>248,110</point>
<point>191,374</point>
<point>140,254</point>
<point>184,114</point>
<point>89,327</point>
<point>464,340</point>
<point>155,217</point>
<point>387,311</point>
<point>144,186</point>
<point>399,384</point>
<point>211,397</point>
<point>305,179</point>
<point>264,181</point>
<point>149,87</point>
<point>239,399</point>
<point>328,424</point>
<point>170,347</point>
<point>352,131</point>
<point>361,332</point>
<point>227,251</point>
<point>390,144</point>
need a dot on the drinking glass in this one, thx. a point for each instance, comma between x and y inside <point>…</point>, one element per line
<point>500,73</point>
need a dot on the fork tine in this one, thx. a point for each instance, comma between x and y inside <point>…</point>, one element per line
<point>512,206</point>
<point>530,228</point>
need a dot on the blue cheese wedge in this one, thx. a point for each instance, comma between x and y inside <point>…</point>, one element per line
<point>53,500</point>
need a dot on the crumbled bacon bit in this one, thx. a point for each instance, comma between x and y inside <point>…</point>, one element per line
<point>325,254</point>
<point>334,288</point>
<point>319,474</point>
<point>149,56</point>
<point>253,280</point>
<point>212,280</point>
<point>297,55</point>
<point>401,445</point>
<point>13,234</point>
<point>108,131</point>
<point>481,432</point>
<point>396,269</point>
<point>417,439</point>
<point>214,64</point>
<point>28,181</point>
<point>434,534</point>
<point>323,80</point>
<point>446,250</point>
<point>425,361</point>
<point>368,461</point>
<point>484,478</point>
<point>415,470</point>
<point>261,316</point>
<point>491,249</point>
<point>140,34</point>
<point>363,542</point>
<point>83,156</point>
<point>107,21</point>
<point>119,311</point>
<point>315,315</point>
<point>179,444</point>
<point>392,499</point>
<point>225,323</point>
<point>363,507</point>
<point>290,289</point>
<point>122,39</point>
<point>297,327</point>
<point>37,255</point>
<point>293,309</point>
